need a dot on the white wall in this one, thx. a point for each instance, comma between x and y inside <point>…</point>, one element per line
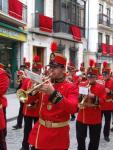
<point>48,8</point>
<point>30,13</point>
<point>92,28</point>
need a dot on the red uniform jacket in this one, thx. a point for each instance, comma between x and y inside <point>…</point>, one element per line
<point>92,115</point>
<point>4,84</point>
<point>108,105</point>
<point>4,101</point>
<point>55,138</point>
<point>28,109</point>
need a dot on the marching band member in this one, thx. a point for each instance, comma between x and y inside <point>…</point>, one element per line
<point>19,81</point>
<point>59,100</point>
<point>71,77</point>
<point>89,113</point>
<point>107,107</point>
<point>31,106</point>
<point>4,84</point>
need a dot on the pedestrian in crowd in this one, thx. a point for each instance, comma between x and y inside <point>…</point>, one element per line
<point>19,80</point>
<point>20,76</point>
<point>92,94</point>
<point>107,107</point>
<point>4,84</point>
<point>31,105</point>
<point>59,99</point>
<point>71,77</point>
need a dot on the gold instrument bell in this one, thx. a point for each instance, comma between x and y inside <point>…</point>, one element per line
<point>23,95</point>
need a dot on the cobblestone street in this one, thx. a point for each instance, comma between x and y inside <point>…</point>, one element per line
<point>14,138</point>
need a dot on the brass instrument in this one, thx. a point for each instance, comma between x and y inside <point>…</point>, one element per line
<point>84,97</point>
<point>23,95</point>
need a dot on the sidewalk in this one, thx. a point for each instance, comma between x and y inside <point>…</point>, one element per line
<point>13,106</point>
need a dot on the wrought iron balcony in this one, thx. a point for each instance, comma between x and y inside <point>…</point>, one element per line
<point>105,20</point>
<point>64,27</point>
<point>101,48</point>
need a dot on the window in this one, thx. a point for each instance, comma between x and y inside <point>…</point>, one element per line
<point>4,6</point>
<point>99,37</point>
<point>39,6</point>
<point>70,11</point>
<point>108,15</point>
<point>0,4</point>
<point>100,8</point>
<point>99,41</point>
<point>107,39</point>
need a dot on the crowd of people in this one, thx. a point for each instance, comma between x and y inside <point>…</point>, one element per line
<point>64,92</point>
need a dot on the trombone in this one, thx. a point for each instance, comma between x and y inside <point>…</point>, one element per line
<point>23,95</point>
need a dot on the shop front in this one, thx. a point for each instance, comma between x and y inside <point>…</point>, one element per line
<point>11,40</point>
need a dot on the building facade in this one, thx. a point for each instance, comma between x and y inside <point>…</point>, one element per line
<point>12,35</point>
<point>62,21</point>
<point>99,31</point>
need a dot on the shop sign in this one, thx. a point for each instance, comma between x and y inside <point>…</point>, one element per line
<point>12,34</point>
<point>101,59</point>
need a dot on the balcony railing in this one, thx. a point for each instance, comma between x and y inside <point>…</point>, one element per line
<point>106,49</point>
<point>61,26</point>
<point>4,10</point>
<point>58,26</point>
<point>105,20</point>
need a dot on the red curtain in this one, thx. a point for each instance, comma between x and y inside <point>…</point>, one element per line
<point>104,49</point>
<point>111,50</point>
<point>15,9</point>
<point>76,32</point>
<point>45,23</point>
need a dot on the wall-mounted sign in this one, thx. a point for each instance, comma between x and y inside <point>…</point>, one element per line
<point>8,33</point>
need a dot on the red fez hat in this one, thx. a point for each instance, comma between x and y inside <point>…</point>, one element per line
<point>27,64</point>
<point>37,66</point>
<point>21,72</point>
<point>2,65</point>
<point>106,68</point>
<point>92,70</point>
<point>56,58</point>
<point>91,64</point>
<point>82,67</point>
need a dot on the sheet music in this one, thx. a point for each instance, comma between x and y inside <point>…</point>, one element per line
<point>33,76</point>
<point>83,90</point>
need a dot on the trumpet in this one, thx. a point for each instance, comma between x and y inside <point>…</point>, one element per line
<point>23,95</point>
<point>84,97</point>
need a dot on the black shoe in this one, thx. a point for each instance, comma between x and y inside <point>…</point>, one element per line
<point>16,127</point>
<point>106,138</point>
<point>112,129</point>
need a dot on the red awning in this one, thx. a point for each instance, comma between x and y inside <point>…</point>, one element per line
<point>111,50</point>
<point>76,32</point>
<point>45,23</point>
<point>15,9</point>
<point>104,49</point>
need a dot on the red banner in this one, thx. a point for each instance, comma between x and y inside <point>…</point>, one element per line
<point>104,49</point>
<point>15,9</point>
<point>111,50</point>
<point>76,32</point>
<point>45,23</point>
